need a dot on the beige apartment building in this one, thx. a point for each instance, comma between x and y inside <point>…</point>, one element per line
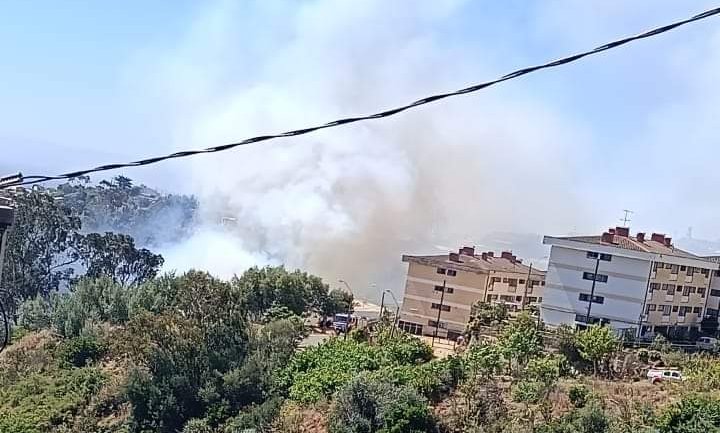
<point>466,278</point>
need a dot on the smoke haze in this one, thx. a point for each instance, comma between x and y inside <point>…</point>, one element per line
<point>557,152</point>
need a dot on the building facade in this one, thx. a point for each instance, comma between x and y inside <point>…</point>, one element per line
<point>635,284</point>
<point>450,284</point>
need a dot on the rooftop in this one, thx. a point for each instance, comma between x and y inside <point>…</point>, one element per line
<point>619,237</point>
<point>466,260</point>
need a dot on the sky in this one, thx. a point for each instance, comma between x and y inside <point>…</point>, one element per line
<point>560,151</point>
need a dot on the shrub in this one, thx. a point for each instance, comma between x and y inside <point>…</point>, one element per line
<point>77,351</point>
<point>578,395</point>
<point>366,405</point>
<point>693,414</point>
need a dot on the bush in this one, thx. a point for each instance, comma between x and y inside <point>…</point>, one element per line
<point>366,405</point>
<point>77,351</point>
<point>693,414</point>
<point>661,344</point>
<point>578,395</point>
<point>589,419</point>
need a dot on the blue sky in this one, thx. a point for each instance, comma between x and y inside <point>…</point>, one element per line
<point>560,151</point>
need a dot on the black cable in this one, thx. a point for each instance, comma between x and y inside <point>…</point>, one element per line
<point>29,180</point>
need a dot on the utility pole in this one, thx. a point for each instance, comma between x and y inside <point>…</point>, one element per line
<point>527,284</point>
<point>437,322</point>
<point>592,290</point>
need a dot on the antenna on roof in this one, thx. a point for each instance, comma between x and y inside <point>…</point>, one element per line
<point>626,219</point>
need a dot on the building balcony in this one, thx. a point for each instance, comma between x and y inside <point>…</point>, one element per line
<point>673,277</point>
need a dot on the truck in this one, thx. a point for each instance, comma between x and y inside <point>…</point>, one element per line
<point>341,322</point>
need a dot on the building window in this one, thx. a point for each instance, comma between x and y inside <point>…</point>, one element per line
<point>435,306</point>
<point>679,289</point>
<point>451,272</point>
<point>654,286</point>
<point>599,278</point>
<point>717,272</point>
<point>521,282</point>
<point>697,310</point>
<point>585,297</point>
<point>675,308</point>
<point>686,290</point>
<point>496,279</point>
<point>655,266</point>
<point>665,309</point>
<point>602,256</point>
<point>674,269</point>
<point>714,292</point>
<point>441,271</point>
<point>711,312</point>
<point>684,310</point>
<point>512,282</point>
<point>518,299</point>
<point>539,298</point>
<point>701,291</point>
<point>682,268</point>
<point>447,289</point>
<point>411,328</point>
<point>433,324</point>
<point>504,280</point>
<point>534,283</point>
<point>669,288</point>
<point>532,299</point>
<point>690,271</point>
<point>542,283</point>
<point>650,307</point>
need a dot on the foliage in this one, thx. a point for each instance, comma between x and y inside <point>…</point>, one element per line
<point>337,301</point>
<point>578,395</point>
<point>478,406</point>
<point>366,405</point>
<point>77,351</point>
<point>661,344</point>
<point>259,418</point>
<point>567,344</point>
<point>150,217</point>
<point>487,314</point>
<point>399,347</point>
<point>482,360</point>
<point>520,341</point>
<point>265,288</point>
<point>40,400</point>
<point>433,380</point>
<point>703,372</point>
<point>693,414</point>
<point>596,344</point>
<point>589,419</point>
<point>40,248</point>
<point>115,255</point>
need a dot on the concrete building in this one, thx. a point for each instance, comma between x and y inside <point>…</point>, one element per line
<point>637,284</point>
<point>466,278</point>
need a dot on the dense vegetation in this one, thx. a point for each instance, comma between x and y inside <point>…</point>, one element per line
<point>123,349</point>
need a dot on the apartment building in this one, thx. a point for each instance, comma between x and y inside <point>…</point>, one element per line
<point>451,283</point>
<point>637,284</point>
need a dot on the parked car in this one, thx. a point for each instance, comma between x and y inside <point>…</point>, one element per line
<point>657,375</point>
<point>707,343</point>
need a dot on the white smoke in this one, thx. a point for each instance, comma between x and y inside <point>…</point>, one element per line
<point>346,203</point>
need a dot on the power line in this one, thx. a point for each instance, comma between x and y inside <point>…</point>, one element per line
<point>28,180</point>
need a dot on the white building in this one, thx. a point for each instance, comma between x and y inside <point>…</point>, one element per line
<point>631,283</point>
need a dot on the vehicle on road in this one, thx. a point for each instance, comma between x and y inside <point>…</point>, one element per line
<point>341,322</point>
<point>657,375</point>
<point>708,343</point>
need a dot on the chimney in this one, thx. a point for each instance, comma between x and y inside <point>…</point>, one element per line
<point>611,231</point>
<point>640,237</point>
<point>467,251</point>
<point>608,237</point>
<point>513,258</point>
<point>622,231</point>
<point>518,261</point>
<point>490,254</point>
<point>668,242</point>
<point>657,237</point>
<point>484,256</point>
<point>506,255</point>
<point>454,257</point>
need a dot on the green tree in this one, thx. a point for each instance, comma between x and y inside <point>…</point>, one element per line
<point>115,256</point>
<point>365,405</point>
<point>482,360</point>
<point>596,344</point>
<point>693,414</point>
<point>520,341</point>
<point>337,301</point>
<point>40,248</point>
<point>265,288</point>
